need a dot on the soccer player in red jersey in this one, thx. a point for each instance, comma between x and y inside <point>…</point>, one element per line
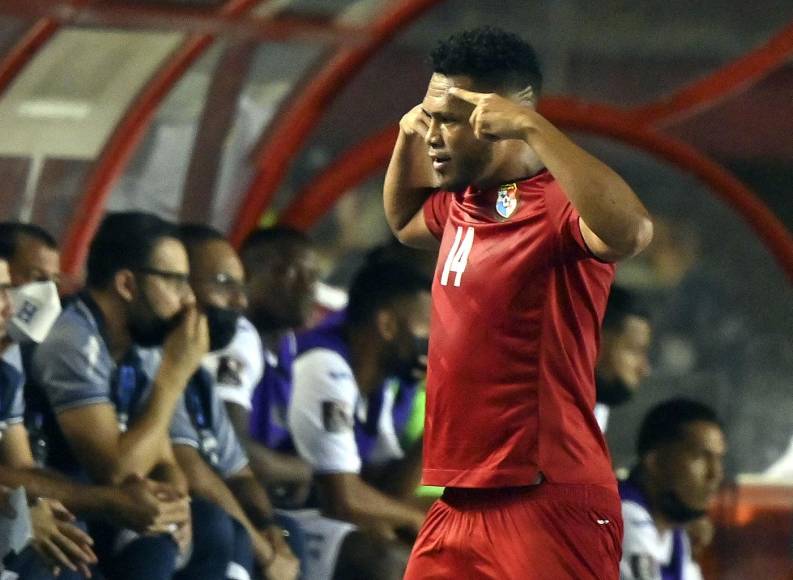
<point>529,227</point>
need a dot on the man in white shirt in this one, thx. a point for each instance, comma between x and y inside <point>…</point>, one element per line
<point>681,447</point>
<point>340,364</point>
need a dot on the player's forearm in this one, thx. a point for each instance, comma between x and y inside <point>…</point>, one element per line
<point>363,505</point>
<point>80,499</point>
<point>273,468</point>
<point>252,498</point>
<point>169,471</point>
<point>140,447</point>
<point>607,204</point>
<point>205,483</point>
<point>409,180</point>
<point>269,467</point>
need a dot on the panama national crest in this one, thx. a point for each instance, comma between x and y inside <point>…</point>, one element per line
<point>507,200</point>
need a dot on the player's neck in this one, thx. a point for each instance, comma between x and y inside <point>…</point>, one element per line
<point>115,329</point>
<point>653,494</point>
<point>517,167</point>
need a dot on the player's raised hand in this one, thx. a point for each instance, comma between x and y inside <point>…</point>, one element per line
<point>495,117</point>
<point>415,122</point>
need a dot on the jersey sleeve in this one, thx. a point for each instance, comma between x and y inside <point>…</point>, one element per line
<point>436,212</point>
<point>564,220</point>
<point>72,365</point>
<point>639,544</point>
<point>321,412</point>
<point>238,368</point>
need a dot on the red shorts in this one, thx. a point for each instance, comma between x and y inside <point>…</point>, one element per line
<point>542,532</point>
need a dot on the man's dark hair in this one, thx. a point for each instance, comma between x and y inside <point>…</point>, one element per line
<point>665,422</point>
<point>125,241</point>
<point>275,236</point>
<point>10,232</point>
<point>193,235</point>
<point>493,58</point>
<point>621,304</point>
<point>380,283</point>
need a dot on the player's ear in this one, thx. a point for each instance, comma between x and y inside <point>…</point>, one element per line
<point>125,284</point>
<point>387,325</point>
<point>650,462</point>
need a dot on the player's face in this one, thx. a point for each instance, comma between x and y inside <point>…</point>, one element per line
<point>693,467</point>
<point>5,299</point>
<point>282,288</point>
<point>458,157</point>
<point>34,262</point>
<point>218,281</point>
<point>217,276</point>
<point>162,293</point>
<point>624,357</point>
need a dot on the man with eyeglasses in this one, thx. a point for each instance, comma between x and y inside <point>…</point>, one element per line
<point>114,394</point>
<point>205,442</point>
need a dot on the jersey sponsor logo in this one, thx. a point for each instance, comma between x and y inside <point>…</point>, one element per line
<point>336,417</point>
<point>229,371</point>
<point>507,200</point>
<point>644,567</point>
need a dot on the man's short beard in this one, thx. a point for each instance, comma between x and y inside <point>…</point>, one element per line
<point>150,330</point>
<point>676,510</point>
<point>612,392</point>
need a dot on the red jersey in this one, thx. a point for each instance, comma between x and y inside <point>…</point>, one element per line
<point>517,303</point>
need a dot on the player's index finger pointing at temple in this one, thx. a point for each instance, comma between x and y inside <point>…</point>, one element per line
<point>470,96</point>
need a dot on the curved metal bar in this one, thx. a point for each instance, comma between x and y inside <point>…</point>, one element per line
<point>294,124</point>
<point>718,86</point>
<point>374,152</point>
<point>21,53</point>
<point>124,140</point>
<point>351,168</point>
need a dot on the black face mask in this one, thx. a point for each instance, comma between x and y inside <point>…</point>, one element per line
<point>677,511</point>
<point>222,324</point>
<point>612,392</point>
<point>414,367</point>
<point>152,333</point>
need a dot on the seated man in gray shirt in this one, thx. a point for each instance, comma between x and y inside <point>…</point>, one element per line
<point>114,396</point>
<point>57,540</point>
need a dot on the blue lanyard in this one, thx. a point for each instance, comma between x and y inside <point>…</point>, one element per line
<point>198,399</point>
<point>199,402</point>
<point>129,384</point>
<point>9,383</point>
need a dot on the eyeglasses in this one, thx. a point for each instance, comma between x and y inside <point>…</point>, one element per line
<point>178,280</point>
<point>225,284</point>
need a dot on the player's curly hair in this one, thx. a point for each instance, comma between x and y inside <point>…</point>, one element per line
<point>493,58</point>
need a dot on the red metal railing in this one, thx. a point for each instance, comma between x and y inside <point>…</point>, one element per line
<point>293,125</point>
<point>125,138</point>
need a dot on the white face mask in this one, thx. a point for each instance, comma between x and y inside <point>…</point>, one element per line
<point>36,307</point>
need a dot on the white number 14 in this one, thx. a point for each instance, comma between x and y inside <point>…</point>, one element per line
<point>457,259</point>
